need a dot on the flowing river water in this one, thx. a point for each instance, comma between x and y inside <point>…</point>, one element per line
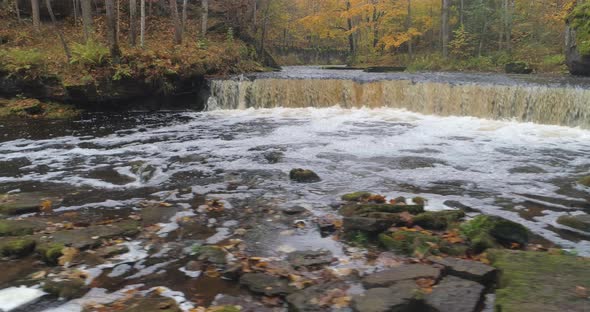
<point>419,135</point>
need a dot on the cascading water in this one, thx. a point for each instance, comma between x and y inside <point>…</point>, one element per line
<point>484,96</point>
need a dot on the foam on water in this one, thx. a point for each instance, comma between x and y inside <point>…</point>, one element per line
<point>493,166</point>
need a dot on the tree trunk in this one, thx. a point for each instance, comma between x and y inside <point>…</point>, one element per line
<point>118,18</point>
<point>204,17</point>
<point>86,18</point>
<point>445,29</point>
<point>142,24</point>
<point>350,35</point>
<point>184,14</point>
<point>176,21</point>
<point>111,24</point>
<point>75,11</point>
<point>133,22</point>
<point>17,10</point>
<point>35,14</point>
<point>408,26</point>
<point>59,34</point>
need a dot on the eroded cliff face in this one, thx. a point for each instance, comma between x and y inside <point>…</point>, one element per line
<point>578,64</point>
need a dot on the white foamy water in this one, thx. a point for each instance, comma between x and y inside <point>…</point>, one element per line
<point>500,167</point>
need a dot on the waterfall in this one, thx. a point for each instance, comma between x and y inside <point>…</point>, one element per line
<point>544,104</point>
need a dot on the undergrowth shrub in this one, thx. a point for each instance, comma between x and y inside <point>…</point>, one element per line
<point>92,53</point>
<point>21,60</point>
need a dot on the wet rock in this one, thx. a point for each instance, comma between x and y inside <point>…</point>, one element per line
<point>151,303</point>
<point>458,205</point>
<point>404,272</point>
<point>579,222</point>
<point>50,252</point>
<point>362,210</point>
<point>310,258</point>
<point>370,225</point>
<point>304,176</point>
<point>293,210</point>
<point>155,213</point>
<point>19,227</point>
<point>453,294</point>
<point>273,157</point>
<point>21,203</point>
<point>110,175</point>
<point>508,232</point>
<point>16,247</point>
<point>356,196</point>
<point>268,285</point>
<point>467,269</point>
<point>233,272</point>
<point>111,251</point>
<point>518,68</point>
<point>66,288</point>
<point>211,254</point>
<point>585,181</point>
<point>91,236</point>
<point>143,170</point>
<point>438,220</point>
<point>399,297</point>
<point>307,300</point>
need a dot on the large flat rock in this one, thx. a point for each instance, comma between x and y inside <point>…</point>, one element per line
<point>404,272</point>
<point>467,269</point>
<point>400,297</point>
<point>454,294</point>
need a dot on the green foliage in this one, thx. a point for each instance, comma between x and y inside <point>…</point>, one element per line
<point>92,53</point>
<point>21,60</point>
<point>121,72</point>
<point>580,20</point>
<point>229,37</point>
<point>461,46</point>
<point>475,226</point>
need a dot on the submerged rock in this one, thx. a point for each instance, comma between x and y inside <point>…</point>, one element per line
<point>405,272</point>
<point>371,225</point>
<point>293,210</point>
<point>579,222</point>
<point>458,205</point>
<point>304,176</point>
<point>266,284</point>
<point>91,236</point>
<point>399,297</point>
<point>211,254</point>
<point>273,157</point>
<point>310,258</point>
<point>585,181</point>
<point>453,294</point>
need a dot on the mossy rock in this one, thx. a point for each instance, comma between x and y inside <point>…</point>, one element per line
<point>486,231</point>
<point>50,252</point>
<point>356,196</point>
<point>67,289</point>
<point>362,210</point>
<point>540,281</point>
<point>16,247</point>
<point>18,227</point>
<point>304,176</point>
<point>438,220</point>
<point>579,222</point>
<point>585,181</point>
<point>518,68</point>
<point>419,200</point>
<point>211,254</point>
<point>411,243</point>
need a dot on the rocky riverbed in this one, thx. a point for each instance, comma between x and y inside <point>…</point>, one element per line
<point>240,212</point>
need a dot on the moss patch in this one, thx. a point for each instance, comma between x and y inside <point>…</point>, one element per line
<point>356,196</point>
<point>537,281</point>
<point>16,247</point>
<point>585,181</point>
<point>487,231</point>
<point>32,108</point>
<point>50,252</point>
<point>438,220</point>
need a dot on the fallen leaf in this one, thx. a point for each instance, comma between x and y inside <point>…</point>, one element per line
<point>46,206</point>
<point>68,255</point>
